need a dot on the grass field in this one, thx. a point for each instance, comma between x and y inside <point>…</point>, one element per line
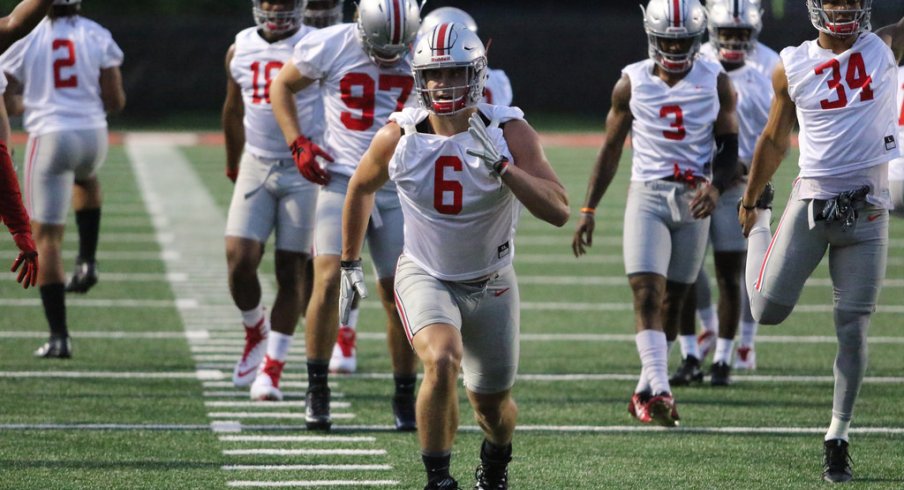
<point>146,401</point>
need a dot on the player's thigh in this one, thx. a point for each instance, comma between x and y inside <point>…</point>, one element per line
<point>688,249</point>
<point>252,212</point>
<point>48,178</point>
<point>92,147</point>
<point>295,211</point>
<point>857,261</point>
<point>646,241</point>
<point>423,300</point>
<point>386,240</point>
<point>725,229</point>
<point>490,333</point>
<point>328,217</point>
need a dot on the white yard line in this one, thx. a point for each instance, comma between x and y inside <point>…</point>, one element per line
<point>623,281</point>
<point>297,439</point>
<point>114,335</point>
<point>267,404</point>
<point>131,277</point>
<point>312,483</point>
<point>273,415</point>
<point>303,452</point>
<point>106,303</point>
<point>306,467</point>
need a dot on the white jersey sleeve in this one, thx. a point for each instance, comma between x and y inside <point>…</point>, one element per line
<point>673,126</point>
<point>358,95</point>
<point>764,59</point>
<point>254,65</point>
<point>896,167</point>
<point>754,97</point>
<point>498,89</point>
<point>59,64</point>
<point>845,106</point>
<point>459,219</point>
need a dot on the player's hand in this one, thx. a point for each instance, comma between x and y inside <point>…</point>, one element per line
<point>27,260</point>
<point>583,235</point>
<point>305,153</point>
<point>747,218</point>
<point>704,202</point>
<point>232,174</point>
<point>490,155</point>
<point>351,282</point>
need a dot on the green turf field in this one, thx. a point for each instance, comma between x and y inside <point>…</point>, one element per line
<point>155,340</point>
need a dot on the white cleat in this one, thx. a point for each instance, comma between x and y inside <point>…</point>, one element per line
<point>745,359</point>
<point>266,385</point>
<point>255,348</point>
<point>344,359</point>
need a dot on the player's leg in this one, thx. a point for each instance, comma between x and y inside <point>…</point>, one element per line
<point>746,353</point>
<point>87,202</point>
<point>706,311</point>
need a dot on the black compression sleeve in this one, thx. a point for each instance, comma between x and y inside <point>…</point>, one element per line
<point>725,164</point>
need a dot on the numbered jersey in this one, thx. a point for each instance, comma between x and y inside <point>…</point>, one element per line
<point>762,58</point>
<point>59,64</point>
<point>896,167</point>
<point>498,89</point>
<point>253,67</point>
<point>845,105</point>
<point>754,97</point>
<point>673,126</point>
<point>459,219</point>
<point>358,95</point>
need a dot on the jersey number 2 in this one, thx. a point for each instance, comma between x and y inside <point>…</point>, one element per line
<point>855,77</point>
<point>65,62</point>
<point>441,186</point>
<point>366,101</point>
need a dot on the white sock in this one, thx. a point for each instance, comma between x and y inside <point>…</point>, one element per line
<point>251,317</point>
<point>838,429</point>
<point>688,346</point>
<point>643,384</point>
<point>748,333</point>
<point>709,319</point>
<point>651,346</point>
<point>723,350</point>
<point>353,319</point>
<point>278,346</point>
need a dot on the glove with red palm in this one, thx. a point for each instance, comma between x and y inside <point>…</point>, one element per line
<point>304,151</point>
<point>27,260</point>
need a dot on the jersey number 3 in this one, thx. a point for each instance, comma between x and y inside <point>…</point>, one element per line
<point>67,61</point>
<point>674,111</point>
<point>855,77</point>
<point>441,186</point>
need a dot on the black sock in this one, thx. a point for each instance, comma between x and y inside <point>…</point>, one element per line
<point>53,296</point>
<point>437,465</point>
<point>88,222</point>
<point>491,453</point>
<point>317,373</point>
<point>404,384</point>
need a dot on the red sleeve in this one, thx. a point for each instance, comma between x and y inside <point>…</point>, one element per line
<point>11,209</point>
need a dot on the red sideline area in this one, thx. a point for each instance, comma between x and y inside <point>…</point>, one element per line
<point>571,140</point>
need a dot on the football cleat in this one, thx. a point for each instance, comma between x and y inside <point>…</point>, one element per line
<point>344,359</point>
<point>266,384</point>
<point>637,407</point>
<point>83,278</point>
<point>720,373</point>
<point>317,408</point>
<point>745,359</point>
<point>55,348</point>
<point>836,467</point>
<point>255,348</point>
<point>447,483</point>
<point>687,373</point>
<point>662,410</point>
<point>403,410</point>
<point>490,478</point>
<point>705,342</point>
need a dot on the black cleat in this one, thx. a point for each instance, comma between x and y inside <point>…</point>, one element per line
<point>447,483</point>
<point>84,277</point>
<point>721,374</point>
<point>404,413</point>
<point>317,408</point>
<point>688,372</point>
<point>836,467</point>
<point>492,473</point>
<point>55,347</point>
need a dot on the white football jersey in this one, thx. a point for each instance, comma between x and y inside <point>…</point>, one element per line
<point>896,166</point>
<point>754,96</point>
<point>762,58</point>
<point>358,95</point>
<point>253,67</point>
<point>673,126</point>
<point>459,219</point>
<point>498,88</point>
<point>59,63</point>
<point>845,105</point>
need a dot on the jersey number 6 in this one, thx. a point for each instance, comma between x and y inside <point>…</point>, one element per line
<point>441,186</point>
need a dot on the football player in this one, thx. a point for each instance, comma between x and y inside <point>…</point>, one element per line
<point>460,310</point>
<point>680,110</point>
<point>733,30</point>
<point>269,194</point>
<point>498,88</point>
<point>67,70</point>
<point>840,88</point>
<point>364,72</point>
<point>896,166</point>
<point>760,57</point>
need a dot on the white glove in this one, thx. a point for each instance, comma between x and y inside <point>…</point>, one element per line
<point>351,282</point>
<point>495,161</point>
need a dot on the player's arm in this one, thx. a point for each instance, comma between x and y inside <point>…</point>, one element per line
<point>12,98</point>
<point>618,124</point>
<point>771,147</point>
<point>893,35</point>
<point>13,213</point>
<point>725,162</point>
<point>532,179</point>
<point>111,91</point>
<point>21,21</point>
<point>233,114</point>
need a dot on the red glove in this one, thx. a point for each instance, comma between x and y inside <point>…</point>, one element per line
<point>304,152</point>
<point>11,208</point>
<point>27,260</point>
<point>232,174</point>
